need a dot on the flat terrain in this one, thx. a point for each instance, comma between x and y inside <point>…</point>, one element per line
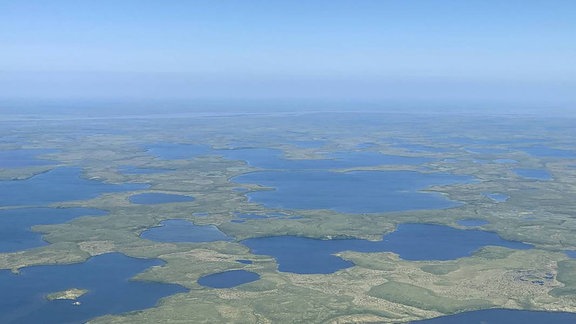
<point>380,287</point>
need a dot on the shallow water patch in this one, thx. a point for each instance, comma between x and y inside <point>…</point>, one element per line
<point>228,279</point>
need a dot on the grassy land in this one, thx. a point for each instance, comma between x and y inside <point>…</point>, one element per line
<point>381,287</point>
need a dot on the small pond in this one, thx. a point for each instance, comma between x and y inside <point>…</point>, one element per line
<point>350,192</point>
<point>180,230</point>
<point>15,224</point>
<point>472,222</point>
<point>533,174</point>
<point>60,184</point>
<point>158,198</point>
<point>228,279</point>
<point>504,316</point>
<point>409,241</point>
<point>545,151</point>
<point>106,277</point>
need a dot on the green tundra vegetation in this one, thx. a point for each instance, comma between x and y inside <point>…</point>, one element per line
<point>380,287</point>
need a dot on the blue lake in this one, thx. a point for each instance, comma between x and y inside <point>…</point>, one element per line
<point>409,241</point>
<point>268,158</point>
<point>274,159</point>
<point>228,279</point>
<point>24,158</point>
<point>60,184</point>
<point>180,230</point>
<point>504,316</point>
<point>545,151</point>
<point>158,198</point>
<point>350,192</point>
<point>472,222</point>
<point>22,297</point>
<point>497,197</point>
<point>15,224</point>
<point>533,174</point>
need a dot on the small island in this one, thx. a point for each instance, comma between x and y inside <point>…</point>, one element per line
<point>70,294</point>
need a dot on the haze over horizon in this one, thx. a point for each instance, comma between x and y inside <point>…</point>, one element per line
<point>511,52</point>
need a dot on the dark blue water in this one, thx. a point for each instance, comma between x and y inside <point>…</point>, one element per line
<point>15,224</point>
<point>24,158</point>
<point>350,192</point>
<point>497,197</point>
<point>105,276</point>
<point>472,222</point>
<point>409,241</point>
<point>533,174</point>
<point>134,170</point>
<point>545,151</point>
<point>60,184</point>
<point>504,316</point>
<point>176,151</point>
<point>158,198</point>
<point>571,254</point>
<point>228,279</point>
<point>180,230</point>
<point>244,261</point>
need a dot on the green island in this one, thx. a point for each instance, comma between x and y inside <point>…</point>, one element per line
<point>380,286</point>
<point>69,294</point>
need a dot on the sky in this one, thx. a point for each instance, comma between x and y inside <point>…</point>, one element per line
<point>509,51</point>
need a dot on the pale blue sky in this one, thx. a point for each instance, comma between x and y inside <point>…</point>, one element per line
<point>493,50</point>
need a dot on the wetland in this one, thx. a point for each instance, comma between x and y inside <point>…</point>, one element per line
<point>321,217</point>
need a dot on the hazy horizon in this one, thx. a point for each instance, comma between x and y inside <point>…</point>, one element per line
<point>507,53</point>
